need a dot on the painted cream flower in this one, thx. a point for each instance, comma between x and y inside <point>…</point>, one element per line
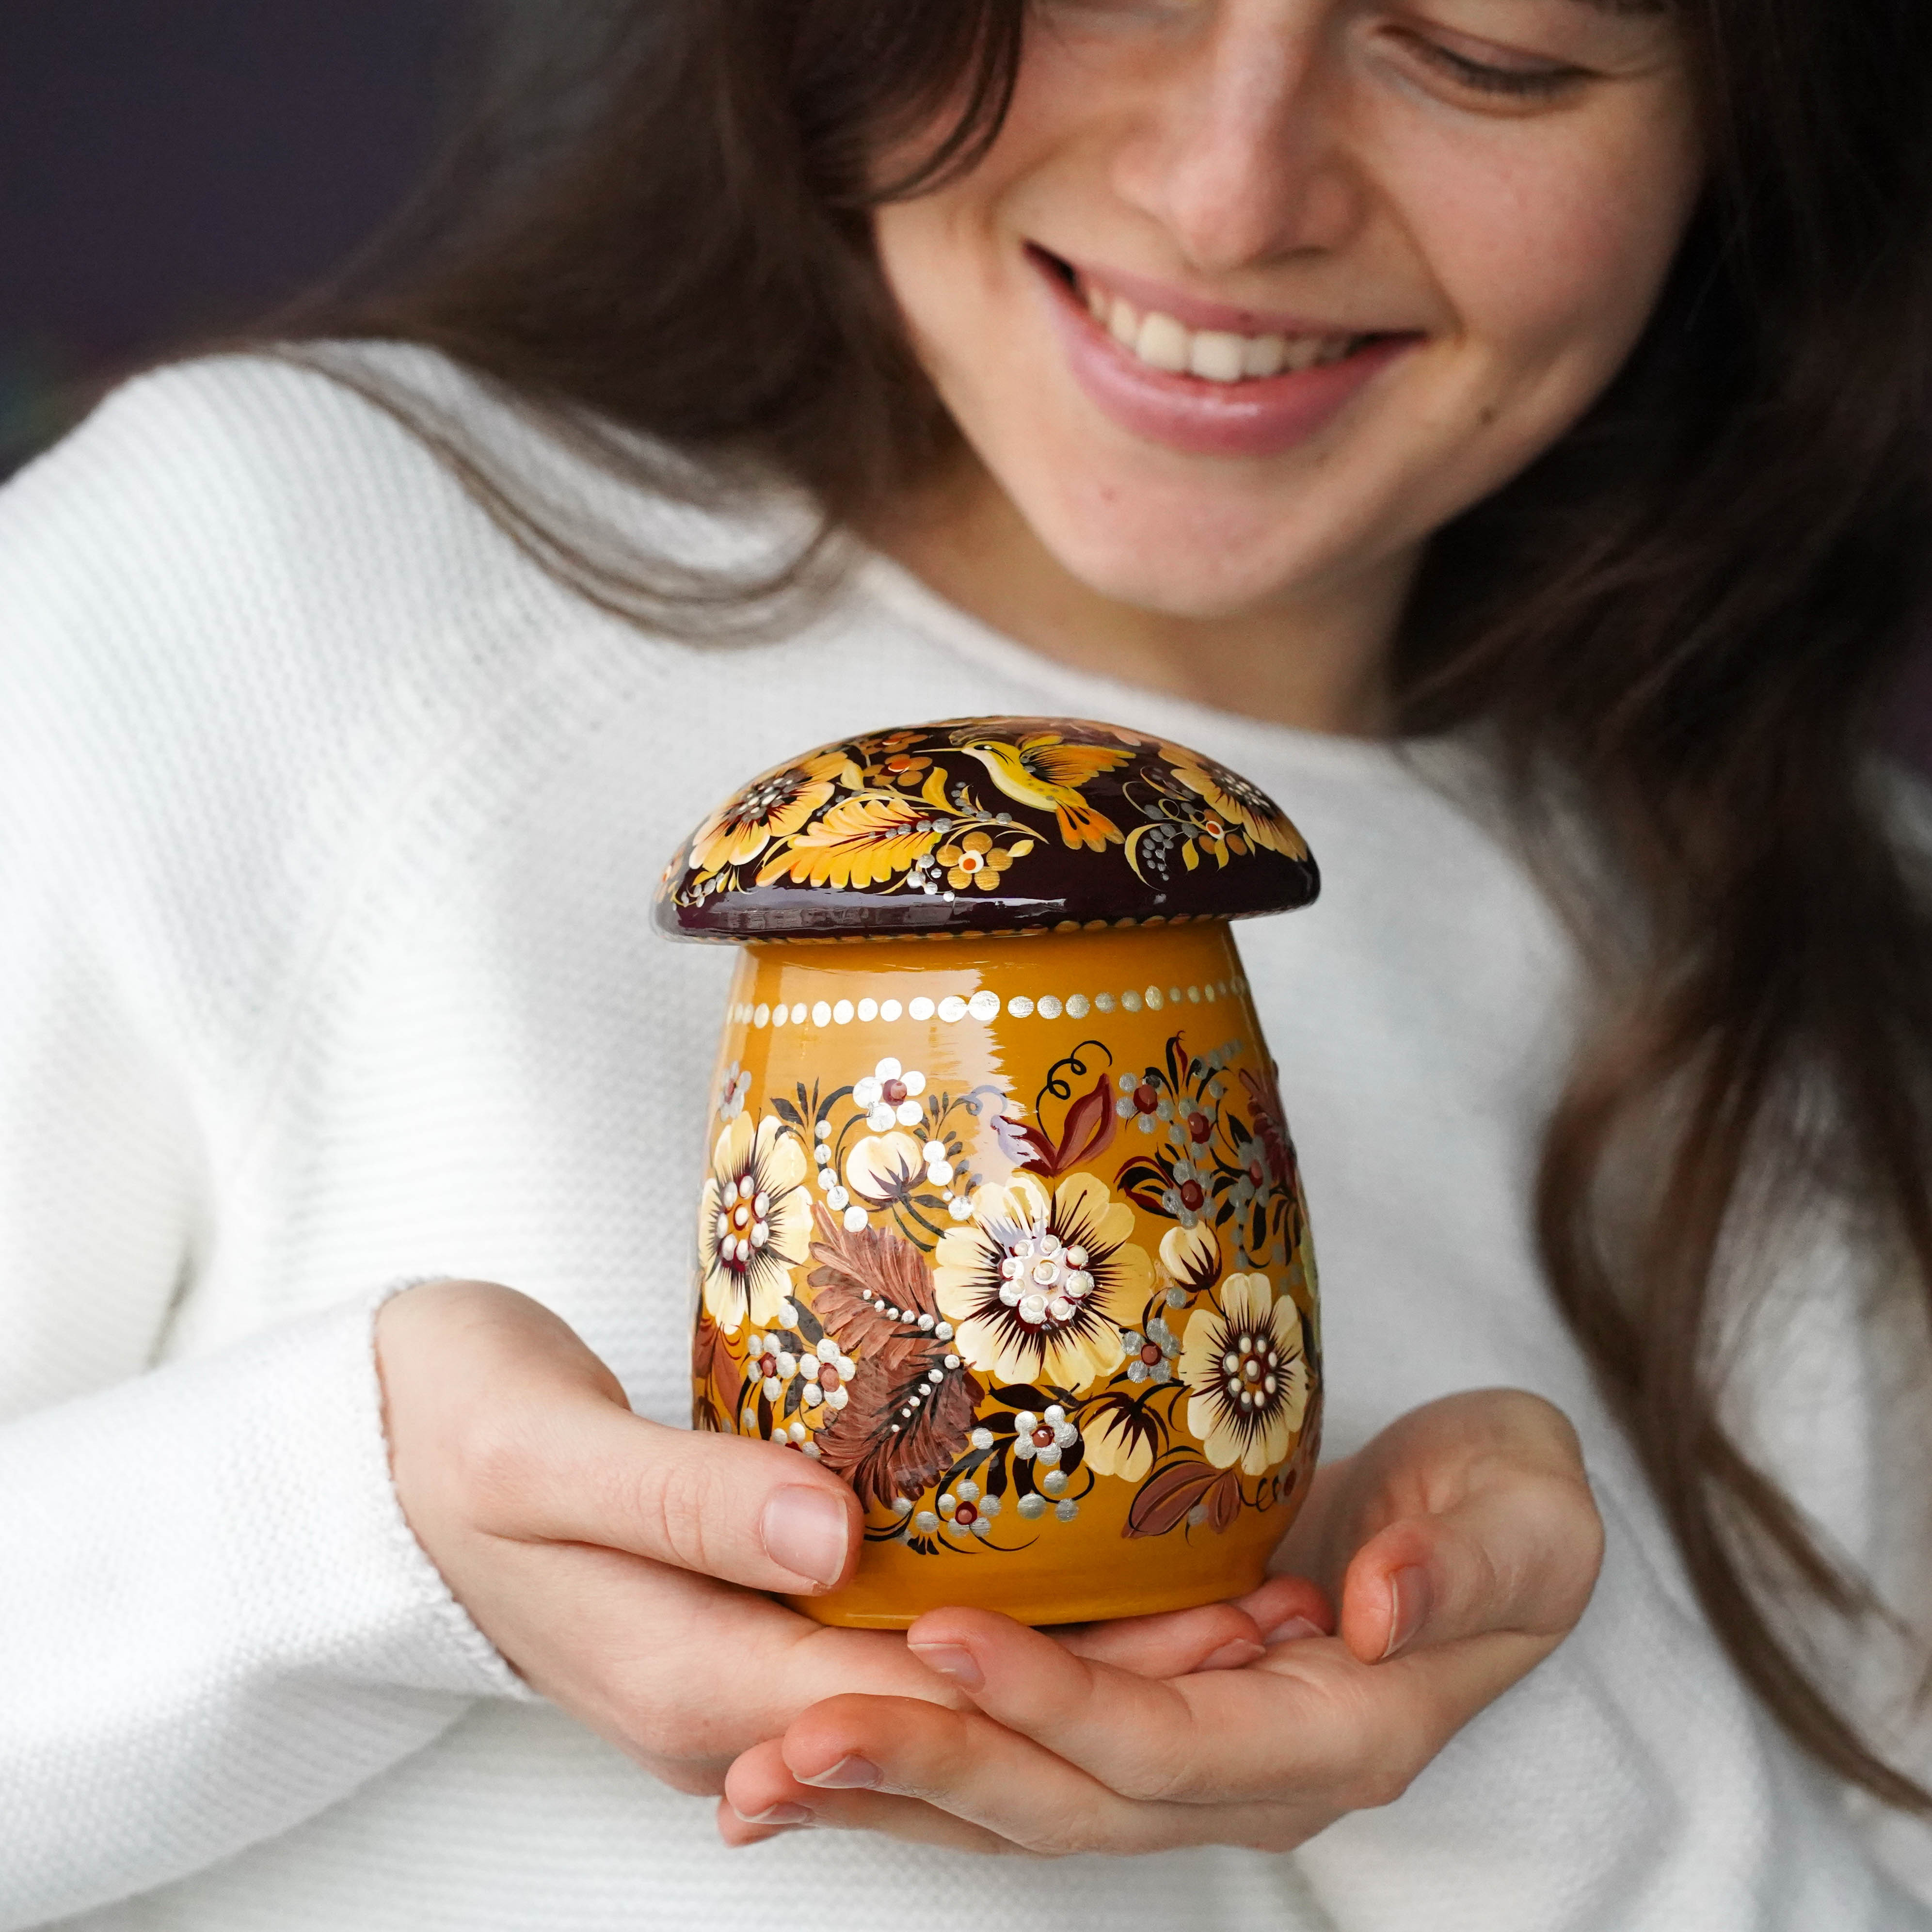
<point>1191,1257</point>
<point>1246,1374</point>
<point>886,1170</point>
<point>1121,1443</point>
<point>755,1223</point>
<point>1040,1285</point>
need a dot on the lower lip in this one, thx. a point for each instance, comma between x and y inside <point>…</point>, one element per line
<point>1260,416</point>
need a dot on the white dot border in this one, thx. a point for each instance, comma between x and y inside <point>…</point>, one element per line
<point>985,1006</point>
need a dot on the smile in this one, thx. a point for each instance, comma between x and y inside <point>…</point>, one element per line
<point>1215,354</point>
<point>1203,377</point>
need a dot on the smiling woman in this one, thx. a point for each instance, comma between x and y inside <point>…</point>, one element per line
<point>1459,270</point>
<point>1558,365</point>
<point>1497,425</point>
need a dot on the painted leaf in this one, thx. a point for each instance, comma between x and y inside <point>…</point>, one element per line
<point>712,1368</point>
<point>1087,1132</point>
<point>1223,1500</point>
<point>1164,1500</point>
<point>1144,1184</point>
<point>882,1450</point>
<point>853,1261</point>
<point>862,841</point>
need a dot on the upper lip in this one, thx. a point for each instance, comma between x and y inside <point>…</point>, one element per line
<point>1197,312</point>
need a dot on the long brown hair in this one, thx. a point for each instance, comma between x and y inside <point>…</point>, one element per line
<point>1691,611</point>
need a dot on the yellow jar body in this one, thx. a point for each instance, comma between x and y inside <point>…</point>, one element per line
<point>1009,1232</point>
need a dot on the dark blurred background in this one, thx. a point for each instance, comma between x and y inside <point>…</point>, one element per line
<point>170,169</point>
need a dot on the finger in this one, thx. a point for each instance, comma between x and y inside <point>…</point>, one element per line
<point>737,1832</point>
<point>854,1761</point>
<point>956,1764</point>
<point>762,1782</point>
<point>744,1511</point>
<point>1518,1556</point>
<point>1214,1636</point>
<point>1142,1736</point>
<point>681,1673</point>
<point>502,1418</point>
<point>1307,1717</point>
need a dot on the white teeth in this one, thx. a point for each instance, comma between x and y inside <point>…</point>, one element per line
<point>1217,356</point>
<point>1163,343</point>
<point>1213,355</point>
<point>1264,354</point>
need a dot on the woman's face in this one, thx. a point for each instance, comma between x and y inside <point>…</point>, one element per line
<point>1251,295</point>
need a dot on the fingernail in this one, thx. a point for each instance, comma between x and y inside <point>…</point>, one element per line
<point>779,1814</point>
<point>1232,1655</point>
<point>1408,1606</point>
<point>950,1660</point>
<point>1294,1628</point>
<point>849,1773</point>
<point>805,1531</point>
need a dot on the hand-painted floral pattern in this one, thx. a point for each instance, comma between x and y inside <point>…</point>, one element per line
<point>977,861</point>
<point>889,1094</point>
<point>1246,1374</point>
<point>1237,802</point>
<point>886,1170</point>
<point>1038,1285</point>
<point>966,1506</point>
<point>1005,821</point>
<point>753,1218</point>
<point>1212,1161</point>
<point>975,1355</point>
<point>773,807</point>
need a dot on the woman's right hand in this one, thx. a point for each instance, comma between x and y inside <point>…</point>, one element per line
<point>614,1562</point>
<point>617,1564</point>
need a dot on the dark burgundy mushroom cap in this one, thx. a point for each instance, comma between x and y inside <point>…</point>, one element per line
<point>985,825</point>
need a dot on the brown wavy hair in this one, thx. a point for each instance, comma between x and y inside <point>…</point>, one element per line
<point>1686,620</point>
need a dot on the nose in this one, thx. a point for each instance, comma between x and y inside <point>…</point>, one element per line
<point>1241,151</point>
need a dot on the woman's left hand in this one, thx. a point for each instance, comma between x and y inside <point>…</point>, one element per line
<point>1461,1546</point>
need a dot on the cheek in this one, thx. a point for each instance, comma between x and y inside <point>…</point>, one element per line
<point>1552,252</point>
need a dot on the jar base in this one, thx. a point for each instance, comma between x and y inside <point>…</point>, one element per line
<point>1040,1610</point>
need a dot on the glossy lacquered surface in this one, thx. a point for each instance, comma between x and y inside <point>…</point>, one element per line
<point>1009,1233</point>
<point>985,825</point>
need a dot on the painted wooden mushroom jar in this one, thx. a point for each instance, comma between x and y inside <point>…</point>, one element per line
<point>1001,1220</point>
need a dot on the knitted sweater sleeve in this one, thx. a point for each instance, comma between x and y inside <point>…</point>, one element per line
<point>217,1620</point>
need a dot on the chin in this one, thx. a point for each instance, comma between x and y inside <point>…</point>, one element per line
<point>1194,566</point>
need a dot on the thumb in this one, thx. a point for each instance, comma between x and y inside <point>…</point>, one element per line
<point>500,1418</point>
<point>1518,1556</point>
<point>746,1512</point>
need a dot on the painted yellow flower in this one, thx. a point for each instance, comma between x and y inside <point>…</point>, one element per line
<point>772,807</point>
<point>1039,1287</point>
<point>975,860</point>
<point>1246,1374</point>
<point>1239,803</point>
<point>755,1224</point>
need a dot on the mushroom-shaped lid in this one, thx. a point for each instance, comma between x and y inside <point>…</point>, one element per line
<point>985,825</point>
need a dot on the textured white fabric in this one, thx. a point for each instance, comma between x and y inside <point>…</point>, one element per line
<point>328,829</point>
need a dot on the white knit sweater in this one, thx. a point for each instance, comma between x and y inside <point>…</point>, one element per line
<point>328,828</point>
